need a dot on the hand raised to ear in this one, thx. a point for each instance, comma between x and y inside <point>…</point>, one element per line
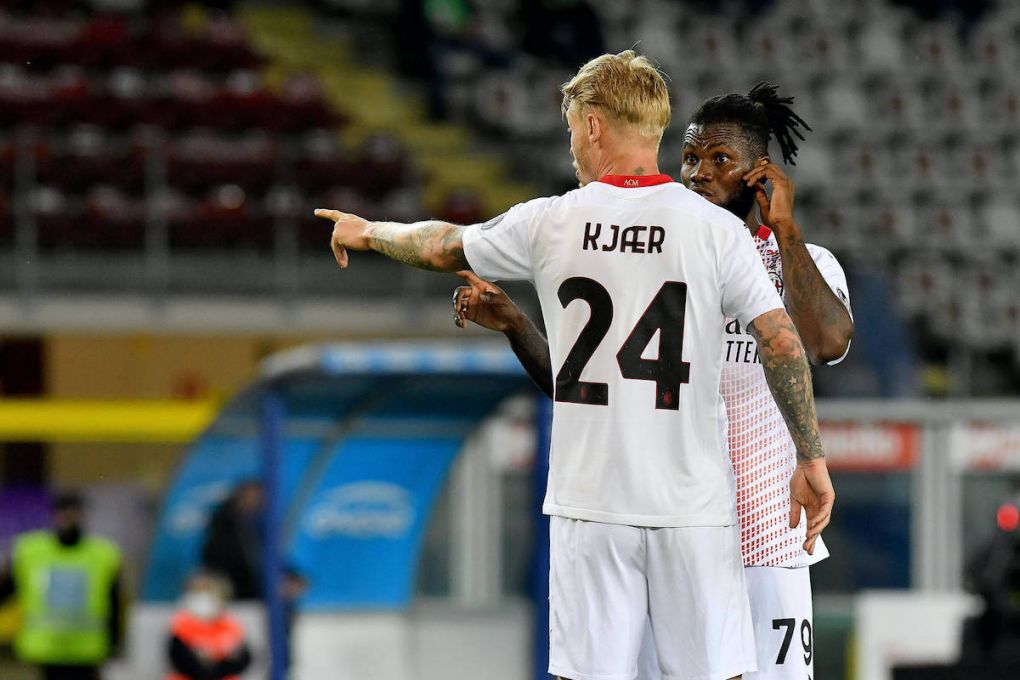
<point>776,211</point>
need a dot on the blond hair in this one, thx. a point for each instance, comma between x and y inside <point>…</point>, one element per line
<point>624,87</point>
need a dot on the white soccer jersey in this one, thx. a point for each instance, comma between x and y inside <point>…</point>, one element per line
<point>761,449</point>
<point>636,276</point>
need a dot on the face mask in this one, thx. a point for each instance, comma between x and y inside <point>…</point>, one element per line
<point>69,536</point>
<point>203,605</point>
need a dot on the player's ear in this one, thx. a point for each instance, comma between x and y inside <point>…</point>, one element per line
<point>594,126</point>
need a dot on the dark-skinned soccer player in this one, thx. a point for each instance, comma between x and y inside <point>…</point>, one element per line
<point>725,159</point>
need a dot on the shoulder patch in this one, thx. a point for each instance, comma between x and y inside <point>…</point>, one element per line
<point>493,222</point>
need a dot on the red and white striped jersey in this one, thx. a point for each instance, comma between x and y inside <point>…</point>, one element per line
<point>761,449</point>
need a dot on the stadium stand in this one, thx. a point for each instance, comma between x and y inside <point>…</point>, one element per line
<point>913,155</point>
<point>140,127</point>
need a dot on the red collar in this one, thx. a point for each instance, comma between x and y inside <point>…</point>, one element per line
<point>763,232</point>
<point>635,181</point>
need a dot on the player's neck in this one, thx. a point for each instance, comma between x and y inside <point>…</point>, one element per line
<point>752,221</point>
<point>633,164</point>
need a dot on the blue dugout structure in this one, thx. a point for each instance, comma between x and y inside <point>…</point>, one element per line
<point>353,443</point>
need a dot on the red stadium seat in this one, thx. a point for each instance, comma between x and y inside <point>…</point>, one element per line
<point>115,220</point>
<point>383,164</point>
<point>105,41</point>
<point>7,159</point>
<point>325,163</point>
<point>87,80</point>
<point>58,219</point>
<point>462,206</point>
<point>90,156</point>
<point>245,102</point>
<point>303,105</point>
<point>201,159</point>
<point>226,218</point>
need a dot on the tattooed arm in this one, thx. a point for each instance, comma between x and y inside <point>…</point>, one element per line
<point>489,307</point>
<point>433,245</point>
<point>789,377</point>
<point>822,320</point>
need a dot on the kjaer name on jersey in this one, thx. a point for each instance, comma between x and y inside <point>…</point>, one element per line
<point>631,239</point>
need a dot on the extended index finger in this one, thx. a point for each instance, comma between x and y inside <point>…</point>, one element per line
<point>328,214</point>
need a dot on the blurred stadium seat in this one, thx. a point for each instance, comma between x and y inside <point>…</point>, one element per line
<point>135,116</point>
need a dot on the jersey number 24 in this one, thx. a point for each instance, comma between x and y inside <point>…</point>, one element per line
<point>665,314</point>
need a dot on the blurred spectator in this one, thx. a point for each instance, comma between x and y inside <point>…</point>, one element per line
<point>233,547</point>
<point>233,542</point>
<point>206,642</point>
<point>68,587</point>
<point>994,574</point>
<point>567,31</point>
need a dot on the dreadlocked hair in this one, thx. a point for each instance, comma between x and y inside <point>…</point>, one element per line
<point>762,113</point>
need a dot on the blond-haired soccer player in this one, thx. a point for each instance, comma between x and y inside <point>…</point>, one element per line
<point>636,276</point>
<point>725,157</point>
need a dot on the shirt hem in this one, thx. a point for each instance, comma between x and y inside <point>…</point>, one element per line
<point>821,553</point>
<point>655,521</point>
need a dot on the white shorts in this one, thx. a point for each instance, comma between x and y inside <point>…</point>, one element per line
<point>608,582</point>
<point>782,615</point>
<point>783,622</point>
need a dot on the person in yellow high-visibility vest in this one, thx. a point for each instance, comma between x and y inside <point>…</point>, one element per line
<point>67,585</point>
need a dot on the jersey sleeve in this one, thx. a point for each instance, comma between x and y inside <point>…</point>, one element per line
<point>832,272</point>
<point>501,247</point>
<point>747,290</point>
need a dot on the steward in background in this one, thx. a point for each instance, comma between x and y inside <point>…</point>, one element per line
<point>206,642</point>
<point>67,586</point>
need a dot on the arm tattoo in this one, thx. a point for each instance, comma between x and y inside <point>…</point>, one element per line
<point>789,377</point>
<point>822,320</point>
<point>532,350</point>
<point>433,245</point>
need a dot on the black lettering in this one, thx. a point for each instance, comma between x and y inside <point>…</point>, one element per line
<point>789,625</point>
<point>631,238</point>
<point>733,327</point>
<point>590,237</point>
<point>616,237</point>
<point>747,351</point>
<point>663,317</point>
<point>656,237</point>
<point>569,386</point>
<point>757,359</point>
<point>806,641</point>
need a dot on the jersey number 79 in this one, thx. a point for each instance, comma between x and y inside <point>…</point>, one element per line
<point>665,313</point>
